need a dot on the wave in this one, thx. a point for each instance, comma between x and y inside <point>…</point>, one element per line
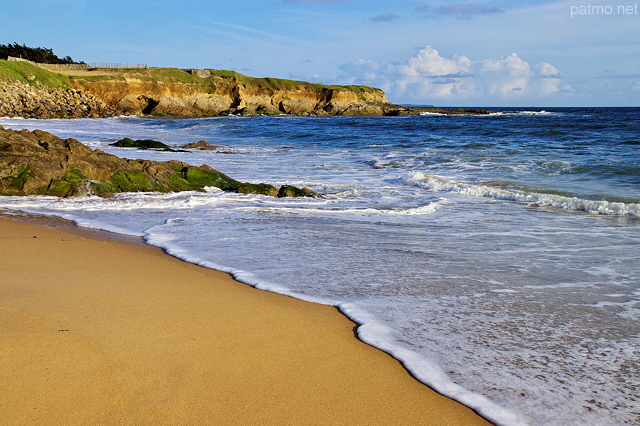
<point>370,329</point>
<point>494,114</point>
<point>434,183</point>
<point>426,209</point>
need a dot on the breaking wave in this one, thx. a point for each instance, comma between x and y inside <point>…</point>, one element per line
<point>604,207</point>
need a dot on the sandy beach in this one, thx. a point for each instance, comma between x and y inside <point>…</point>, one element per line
<point>98,330</point>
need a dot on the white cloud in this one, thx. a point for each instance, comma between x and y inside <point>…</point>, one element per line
<point>429,76</point>
<point>459,10</point>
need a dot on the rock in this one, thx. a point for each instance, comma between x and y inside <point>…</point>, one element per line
<point>260,188</point>
<point>39,163</point>
<point>39,101</point>
<point>200,73</point>
<point>142,144</point>
<point>202,145</point>
<point>293,191</point>
<point>160,93</point>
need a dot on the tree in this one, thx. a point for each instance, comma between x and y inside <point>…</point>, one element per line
<point>35,54</point>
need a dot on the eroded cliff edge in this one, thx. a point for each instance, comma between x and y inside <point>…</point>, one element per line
<point>27,90</point>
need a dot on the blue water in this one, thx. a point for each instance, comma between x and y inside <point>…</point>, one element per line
<point>496,256</point>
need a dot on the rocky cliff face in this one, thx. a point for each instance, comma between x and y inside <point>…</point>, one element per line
<point>228,95</point>
<point>26,91</point>
<point>39,163</point>
<point>39,101</point>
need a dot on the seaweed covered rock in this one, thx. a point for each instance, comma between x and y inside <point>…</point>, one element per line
<point>294,191</point>
<point>141,143</point>
<point>201,145</point>
<point>39,163</point>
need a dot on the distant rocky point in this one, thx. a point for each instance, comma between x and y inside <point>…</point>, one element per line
<point>39,163</point>
<point>27,90</point>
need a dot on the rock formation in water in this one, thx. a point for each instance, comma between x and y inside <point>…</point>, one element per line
<point>39,163</point>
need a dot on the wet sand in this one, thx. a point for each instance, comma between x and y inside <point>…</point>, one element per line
<point>98,330</point>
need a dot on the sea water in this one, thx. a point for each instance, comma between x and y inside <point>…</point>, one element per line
<point>497,257</point>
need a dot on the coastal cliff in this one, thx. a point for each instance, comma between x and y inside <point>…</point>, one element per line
<point>177,92</point>
<point>27,90</point>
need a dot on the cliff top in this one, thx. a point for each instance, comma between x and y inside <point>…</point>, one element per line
<point>29,73</point>
<point>33,91</point>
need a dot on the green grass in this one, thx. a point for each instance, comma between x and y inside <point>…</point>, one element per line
<point>175,75</point>
<point>31,74</point>
<point>28,73</point>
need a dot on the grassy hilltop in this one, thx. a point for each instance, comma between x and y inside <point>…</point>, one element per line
<point>28,73</point>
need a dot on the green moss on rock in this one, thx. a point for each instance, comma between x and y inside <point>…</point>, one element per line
<point>199,178</point>
<point>258,188</point>
<point>103,189</point>
<point>21,178</point>
<point>131,181</point>
<point>177,183</point>
<point>294,191</point>
<point>74,176</point>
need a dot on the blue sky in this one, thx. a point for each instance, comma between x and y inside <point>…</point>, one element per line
<point>457,53</point>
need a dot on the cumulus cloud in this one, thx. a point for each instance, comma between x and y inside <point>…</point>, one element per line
<point>459,10</point>
<point>430,76</point>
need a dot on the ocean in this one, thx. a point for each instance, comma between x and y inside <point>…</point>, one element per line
<point>497,256</point>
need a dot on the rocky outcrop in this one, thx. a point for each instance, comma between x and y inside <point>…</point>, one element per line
<point>39,163</point>
<point>40,101</point>
<point>201,145</point>
<point>187,93</point>
<point>217,95</point>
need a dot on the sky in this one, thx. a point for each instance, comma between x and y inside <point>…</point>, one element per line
<point>422,52</point>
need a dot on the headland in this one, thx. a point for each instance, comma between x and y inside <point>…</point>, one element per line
<point>29,90</point>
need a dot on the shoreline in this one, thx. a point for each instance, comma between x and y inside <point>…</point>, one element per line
<point>157,339</point>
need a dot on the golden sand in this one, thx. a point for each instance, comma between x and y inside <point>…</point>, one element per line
<point>96,330</point>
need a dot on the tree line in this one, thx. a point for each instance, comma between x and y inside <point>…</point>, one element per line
<point>41,55</point>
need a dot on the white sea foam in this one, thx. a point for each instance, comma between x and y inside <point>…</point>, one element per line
<point>493,114</point>
<point>431,113</point>
<point>435,183</point>
<point>377,334</point>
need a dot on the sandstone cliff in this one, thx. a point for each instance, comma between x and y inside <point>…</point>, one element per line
<point>27,90</point>
<point>177,92</point>
<point>39,163</point>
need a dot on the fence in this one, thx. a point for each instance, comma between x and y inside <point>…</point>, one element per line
<point>64,67</point>
<point>76,67</point>
<point>116,65</point>
<point>13,58</point>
